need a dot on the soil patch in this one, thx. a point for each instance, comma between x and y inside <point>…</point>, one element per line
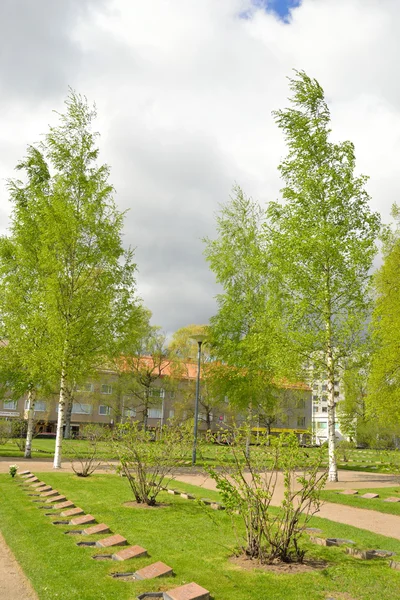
<point>134,504</point>
<point>279,567</point>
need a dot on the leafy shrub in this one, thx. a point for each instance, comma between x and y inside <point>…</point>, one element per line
<point>247,482</point>
<point>150,465</point>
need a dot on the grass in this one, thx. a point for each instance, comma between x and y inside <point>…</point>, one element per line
<point>375,504</point>
<point>197,542</point>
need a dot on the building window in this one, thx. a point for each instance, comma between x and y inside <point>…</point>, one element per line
<point>130,412</point>
<point>336,394</point>
<point>104,410</point>
<point>81,409</point>
<point>85,387</point>
<point>154,413</point>
<point>315,398</point>
<point>315,386</point>
<point>156,393</point>
<point>106,389</point>
<point>336,425</point>
<point>324,409</point>
<point>322,425</point>
<point>315,409</point>
<point>324,387</point>
<point>301,421</point>
<point>10,404</point>
<point>172,394</point>
<point>324,398</point>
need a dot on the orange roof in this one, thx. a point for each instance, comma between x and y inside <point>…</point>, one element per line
<point>188,370</point>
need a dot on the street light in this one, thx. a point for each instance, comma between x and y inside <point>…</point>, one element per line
<point>199,339</point>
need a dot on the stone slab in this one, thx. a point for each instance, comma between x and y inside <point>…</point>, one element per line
<point>85,519</point>
<point>313,530</point>
<point>349,492</point>
<point>59,498</point>
<point>190,591</point>
<point>187,496</point>
<point>112,540</point>
<point>24,473</point>
<point>173,492</point>
<point>392,499</point>
<point>31,480</point>
<point>370,496</point>
<point>131,552</point>
<point>338,542</point>
<point>318,540</point>
<point>157,569</point>
<point>101,528</point>
<point>395,565</point>
<point>73,512</point>
<point>206,501</point>
<point>49,492</point>
<point>217,506</point>
<point>43,488</point>
<point>67,504</point>
<point>38,484</point>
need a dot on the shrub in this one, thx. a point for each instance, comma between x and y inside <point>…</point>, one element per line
<point>150,465</point>
<point>247,483</point>
<point>84,457</point>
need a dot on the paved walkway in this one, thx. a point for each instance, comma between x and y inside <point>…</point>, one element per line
<point>381,523</point>
<point>13,583</point>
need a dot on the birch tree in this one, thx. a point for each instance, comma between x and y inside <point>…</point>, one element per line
<point>383,398</point>
<point>241,333</point>
<point>85,277</point>
<point>321,242</point>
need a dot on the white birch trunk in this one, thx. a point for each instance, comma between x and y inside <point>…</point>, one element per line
<point>333,473</point>
<point>29,433</point>
<point>60,420</point>
<point>248,437</point>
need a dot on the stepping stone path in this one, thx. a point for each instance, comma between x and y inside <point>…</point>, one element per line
<point>158,569</point>
<point>113,540</point>
<point>330,541</point>
<point>369,554</point>
<point>190,591</point>
<point>370,496</point>
<point>73,512</point>
<point>395,565</point>
<point>128,553</point>
<point>101,528</point>
<point>349,492</point>
<point>56,499</point>
<point>392,499</point>
<point>46,488</point>
<point>85,520</point>
<point>67,504</point>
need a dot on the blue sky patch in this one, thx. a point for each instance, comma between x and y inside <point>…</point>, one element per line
<point>281,8</point>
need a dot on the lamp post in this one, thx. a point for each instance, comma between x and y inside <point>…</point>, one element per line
<point>199,339</point>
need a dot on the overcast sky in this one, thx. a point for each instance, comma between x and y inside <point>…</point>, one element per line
<point>184,91</point>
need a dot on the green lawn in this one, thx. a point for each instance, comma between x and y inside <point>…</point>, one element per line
<point>375,504</point>
<point>195,541</point>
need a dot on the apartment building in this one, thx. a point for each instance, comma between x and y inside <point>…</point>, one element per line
<point>113,397</point>
<point>319,387</point>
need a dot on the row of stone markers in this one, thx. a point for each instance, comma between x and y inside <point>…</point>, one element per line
<point>369,496</point>
<point>363,554</point>
<point>50,498</point>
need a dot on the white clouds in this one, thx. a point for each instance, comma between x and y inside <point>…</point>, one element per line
<point>185,91</point>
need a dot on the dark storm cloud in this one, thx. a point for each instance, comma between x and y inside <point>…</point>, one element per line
<point>38,54</point>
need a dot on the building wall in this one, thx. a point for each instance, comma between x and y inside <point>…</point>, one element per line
<point>103,400</point>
